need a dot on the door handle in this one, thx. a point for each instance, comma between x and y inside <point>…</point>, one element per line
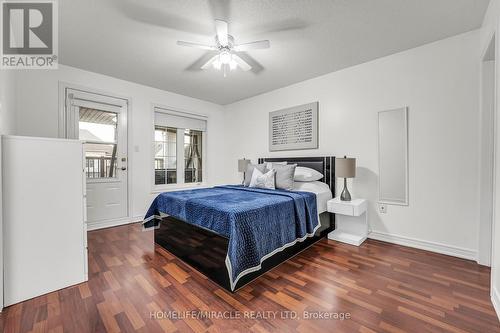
<point>124,168</point>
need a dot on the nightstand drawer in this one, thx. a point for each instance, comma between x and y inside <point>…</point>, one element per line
<point>356,207</point>
<point>338,208</point>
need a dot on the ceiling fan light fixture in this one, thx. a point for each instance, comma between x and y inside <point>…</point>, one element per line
<point>217,64</point>
<point>225,57</point>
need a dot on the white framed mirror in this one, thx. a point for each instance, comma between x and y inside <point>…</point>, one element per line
<point>393,156</point>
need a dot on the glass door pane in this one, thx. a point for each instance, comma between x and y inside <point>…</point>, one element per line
<point>99,131</point>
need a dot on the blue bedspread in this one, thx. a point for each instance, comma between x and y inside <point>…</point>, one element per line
<point>258,222</point>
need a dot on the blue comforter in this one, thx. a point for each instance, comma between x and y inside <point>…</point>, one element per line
<point>258,222</point>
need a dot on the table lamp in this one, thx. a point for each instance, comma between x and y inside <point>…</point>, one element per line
<point>242,167</point>
<point>345,168</point>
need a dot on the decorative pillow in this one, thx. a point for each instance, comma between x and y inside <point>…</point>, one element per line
<point>263,180</point>
<point>249,172</point>
<point>303,174</point>
<point>284,176</point>
<point>269,165</point>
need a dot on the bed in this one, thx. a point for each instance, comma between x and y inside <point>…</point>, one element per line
<point>234,234</point>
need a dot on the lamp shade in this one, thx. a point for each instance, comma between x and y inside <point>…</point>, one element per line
<point>345,167</point>
<point>242,165</point>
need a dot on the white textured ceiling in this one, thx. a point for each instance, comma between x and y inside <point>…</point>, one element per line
<point>135,40</point>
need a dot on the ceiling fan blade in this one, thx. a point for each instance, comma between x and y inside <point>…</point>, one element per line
<point>242,63</point>
<point>196,45</point>
<point>196,65</point>
<point>256,66</point>
<point>261,44</point>
<point>221,29</point>
<point>210,62</point>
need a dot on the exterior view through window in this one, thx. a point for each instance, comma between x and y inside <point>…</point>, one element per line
<point>192,156</point>
<point>165,146</point>
<point>99,131</point>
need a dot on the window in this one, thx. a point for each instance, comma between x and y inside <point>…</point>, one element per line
<point>178,148</point>
<point>192,156</point>
<point>99,131</point>
<point>165,155</point>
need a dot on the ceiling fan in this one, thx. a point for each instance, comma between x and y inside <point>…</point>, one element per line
<point>227,57</point>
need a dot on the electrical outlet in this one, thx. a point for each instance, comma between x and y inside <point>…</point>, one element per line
<point>382,208</point>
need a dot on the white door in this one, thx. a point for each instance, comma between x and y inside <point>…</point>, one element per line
<point>101,122</point>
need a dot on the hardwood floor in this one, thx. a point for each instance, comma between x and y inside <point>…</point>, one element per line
<point>136,287</point>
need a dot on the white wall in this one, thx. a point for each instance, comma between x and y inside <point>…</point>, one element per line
<point>439,82</point>
<point>38,109</point>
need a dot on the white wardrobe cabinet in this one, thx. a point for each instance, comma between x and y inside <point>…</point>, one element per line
<point>44,232</point>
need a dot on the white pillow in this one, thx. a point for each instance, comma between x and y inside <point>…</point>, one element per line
<point>269,165</point>
<point>314,186</point>
<point>303,174</point>
<point>263,180</point>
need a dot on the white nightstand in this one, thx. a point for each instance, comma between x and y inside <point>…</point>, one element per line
<point>351,223</point>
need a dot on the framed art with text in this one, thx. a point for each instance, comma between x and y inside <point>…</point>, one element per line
<point>294,128</point>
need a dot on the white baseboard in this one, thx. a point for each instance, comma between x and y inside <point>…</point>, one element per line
<point>112,223</point>
<point>425,245</point>
<point>495,299</point>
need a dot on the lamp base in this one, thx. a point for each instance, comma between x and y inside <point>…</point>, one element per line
<point>345,195</point>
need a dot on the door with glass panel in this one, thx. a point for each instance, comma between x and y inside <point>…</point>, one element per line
<point>101,122</point>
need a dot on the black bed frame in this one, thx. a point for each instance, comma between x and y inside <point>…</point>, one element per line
<point>206,251</point>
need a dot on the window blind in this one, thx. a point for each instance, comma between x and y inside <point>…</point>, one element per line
<point>178,121</point>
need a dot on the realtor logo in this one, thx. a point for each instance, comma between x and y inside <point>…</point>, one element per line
<point>29,34</point>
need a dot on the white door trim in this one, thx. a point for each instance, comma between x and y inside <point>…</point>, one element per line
<point>125,100</point>
<point>486,171</point>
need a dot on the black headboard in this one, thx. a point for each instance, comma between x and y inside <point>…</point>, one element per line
<point>325,165</point>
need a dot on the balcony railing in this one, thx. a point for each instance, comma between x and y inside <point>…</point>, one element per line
<point>99,167</point>
<point>190,176</point>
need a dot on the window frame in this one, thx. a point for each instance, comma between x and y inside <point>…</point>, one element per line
<point>180,149</point>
